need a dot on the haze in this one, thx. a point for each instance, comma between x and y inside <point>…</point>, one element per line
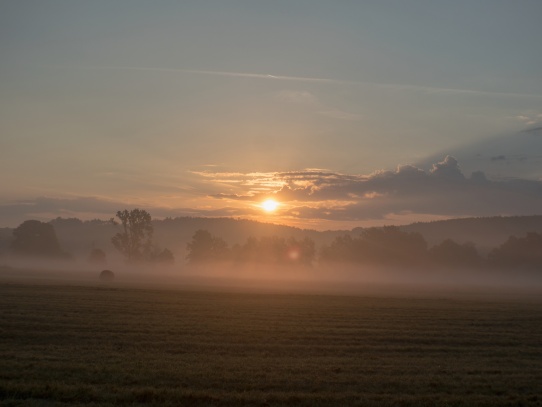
<point>210,108</point>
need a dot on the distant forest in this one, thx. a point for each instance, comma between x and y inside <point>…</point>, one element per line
<point>504,242</point>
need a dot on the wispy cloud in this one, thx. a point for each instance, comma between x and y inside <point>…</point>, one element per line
<point>529,118</point>
<point>268,76</point>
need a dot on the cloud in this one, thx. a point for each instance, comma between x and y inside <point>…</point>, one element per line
<point>536,131</point>
<point>448,168</point>
<point>498,158</point>
<point>267,76</point>
<point>530,118</point>
<point>442,191</point>
<point>313,195</point>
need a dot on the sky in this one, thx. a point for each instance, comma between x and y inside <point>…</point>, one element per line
<point>348,113</point>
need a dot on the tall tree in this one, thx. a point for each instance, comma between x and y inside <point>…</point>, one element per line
<point>452,254</point>
<point>519,252</point>
<point>36,239</point>
<point>135,240</point>
<point>275,250</point>
<point>164,257</point>
<point>205,247</point>
<point>385,245</point>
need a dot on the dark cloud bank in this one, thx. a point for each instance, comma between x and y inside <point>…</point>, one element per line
<point>315,194</point>
<point>443,190</point>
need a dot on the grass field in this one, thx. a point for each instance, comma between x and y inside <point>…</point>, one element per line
<point>99,345</point>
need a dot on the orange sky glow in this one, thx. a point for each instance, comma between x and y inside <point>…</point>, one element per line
<point>210,108</point>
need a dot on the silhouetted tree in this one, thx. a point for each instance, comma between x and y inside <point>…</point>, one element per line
<point>264,250</point>
<point>522,252</point>
<point>164,257</point>
<point>135,240</point>
<point>76,235</point>
<point>275,250</point>
<point>97,256</point>
<point>36,239</point>
<point>301,251</point>
<point>450,253</point>
<point>391,245</point>
<point>341,249</point>
<point>386,245</point>
<point>205,247</point>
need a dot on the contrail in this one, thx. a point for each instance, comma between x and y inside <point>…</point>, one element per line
<point>213,73</point>
<point>392,86</point>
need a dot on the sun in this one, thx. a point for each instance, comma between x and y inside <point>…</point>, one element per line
<point>270,205</point>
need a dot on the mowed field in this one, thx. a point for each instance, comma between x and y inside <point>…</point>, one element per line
<point>108,345</point>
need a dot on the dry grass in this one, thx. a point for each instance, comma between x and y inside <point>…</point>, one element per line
<point>99,346</point>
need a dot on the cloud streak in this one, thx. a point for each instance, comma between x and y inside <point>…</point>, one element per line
<point>331,81</point>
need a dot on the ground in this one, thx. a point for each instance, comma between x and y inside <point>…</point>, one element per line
<point>106,344</point>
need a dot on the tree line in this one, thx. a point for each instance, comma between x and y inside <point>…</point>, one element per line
<point>206,248</point>
<point>387,246</point>
<point>383,246</point>
<point>35,239</point>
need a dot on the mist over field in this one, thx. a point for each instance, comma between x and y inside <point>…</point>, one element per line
<point>336,280</point>
<point>374,317</point>
<point>269,257</point>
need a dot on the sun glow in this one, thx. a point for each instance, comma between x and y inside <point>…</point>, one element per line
<point>270,205</point>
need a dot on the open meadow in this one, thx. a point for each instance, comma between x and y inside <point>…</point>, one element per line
<point>100,345</point>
